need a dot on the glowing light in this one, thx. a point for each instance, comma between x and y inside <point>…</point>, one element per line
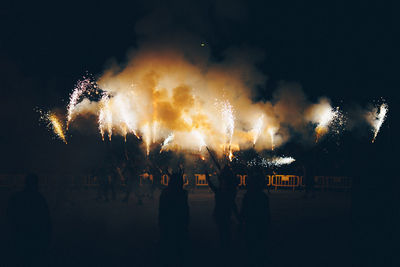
<point>274,161</point>
<point>379,119</point>
<point>53,123</point>
<point>127,118</point>
<point>57,127</point>
<point>154,131</point>
<point>325,118</point>
<point>257,128</point>
<point>167,140</point>
<point>199,138</point>
<point>228,124</point>
<point>163,98</point>
<point>272,132</point>
<point>105,117</point>
<point>230,156</point>
<point>79,89</point>
<point>147,137</point>
<point>279,161</point>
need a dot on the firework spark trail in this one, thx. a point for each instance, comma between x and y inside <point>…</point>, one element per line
<point>272,132</point>
<point>228,119</point>
<point>325,118</point>
<point>167,140</point>
<point>154,131</point>
<point>128,120</point>
<point>200,139</point>
<point>274,161</point>
<point>161,92</point>
<point>147,137</point>
<point>379,119</point>
<point>101,122</point>
<point>80,88</point>
<point>257,128</point>
<point>56,125</point>
<point>124,131</point>
<point>105,116</point>
<point>279,161</point>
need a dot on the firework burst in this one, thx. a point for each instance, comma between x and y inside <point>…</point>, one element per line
<point>272,162</point>
<point>167,141</point>
<point>257,128</point>
<point>326,117</point>
<point>228,123</point>
<point>105,116</point>
<point>147,137</point>
<point>81,87</point>
<point>378,119</point>
<point>54,124</point>
<point>272,132</point>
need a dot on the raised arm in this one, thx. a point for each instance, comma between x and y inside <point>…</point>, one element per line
<point>210,184</point>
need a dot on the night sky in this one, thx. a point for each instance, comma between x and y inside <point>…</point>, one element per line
<point>340,50</point>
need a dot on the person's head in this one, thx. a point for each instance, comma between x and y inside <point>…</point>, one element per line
<point>31,181</point>
<point>255,183</point>
<point>256,180</point>
<point>176,180</point>
<point>226,178</point>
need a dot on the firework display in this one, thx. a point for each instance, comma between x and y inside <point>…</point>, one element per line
<point>186,107</point>
<point>54,124</point>
<point>376,118</point>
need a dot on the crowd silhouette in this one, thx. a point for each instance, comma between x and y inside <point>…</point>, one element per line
<point>30,223</point>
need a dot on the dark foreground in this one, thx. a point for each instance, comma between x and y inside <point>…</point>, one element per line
<point>87,232</point>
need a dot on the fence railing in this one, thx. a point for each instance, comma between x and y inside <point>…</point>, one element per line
<point>276,181</point>
<point>285,181</point>
<point>332,182</point>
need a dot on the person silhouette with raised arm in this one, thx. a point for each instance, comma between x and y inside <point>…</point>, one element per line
<point>173,221</point>
<point>255,214</point>
<point>225,204</point>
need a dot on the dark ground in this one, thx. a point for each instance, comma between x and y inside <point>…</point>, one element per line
<point>86,232</point>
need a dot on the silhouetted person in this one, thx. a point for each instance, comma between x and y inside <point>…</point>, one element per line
<point>147,185</point>
<point>30,225</point>
<point>111,181</point>
<point>308,175</point>
<point>102,178</point>
<point>173,221</point>
<point>131,174</point>
<point>255,216</point>
<point>157,173</point>
<point>225,195</point>
<point>192,184</point>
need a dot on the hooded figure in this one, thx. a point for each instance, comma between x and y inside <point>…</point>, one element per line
<point>29,221</point>
<point>255,216</point>
<point>173,221</point>
<point>225,196</point>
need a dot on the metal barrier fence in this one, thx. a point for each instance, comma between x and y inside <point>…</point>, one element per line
<point>165,180</point>
<point>243,180</point>
<point>285,181</point>
<point>201,180</point>
<point>89,181</point>
<point>332,182</point>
